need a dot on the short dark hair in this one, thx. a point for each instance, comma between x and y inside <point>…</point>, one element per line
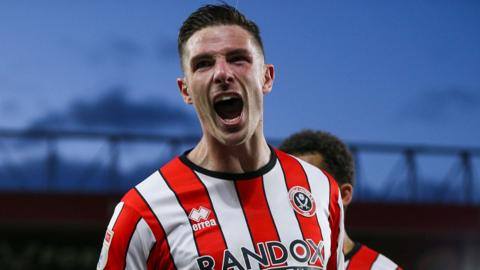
<point>213,15</point>
<point>337,157</point>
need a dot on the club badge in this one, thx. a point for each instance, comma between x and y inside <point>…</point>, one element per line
<point>302,201</point>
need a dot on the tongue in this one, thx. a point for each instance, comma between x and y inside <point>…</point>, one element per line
<point>229,109</point>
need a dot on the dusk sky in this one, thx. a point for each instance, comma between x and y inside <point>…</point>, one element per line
<point>367,71</point>
<point>401,72</point>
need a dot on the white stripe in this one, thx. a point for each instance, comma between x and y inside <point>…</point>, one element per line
<point>172,216</point>
<point>383,263</point>
<point>282,213</point>
<point>346,264</point>
<point>229,214</point>
<point>320,188</point>
<point>341,237</point>
<point>140,245</point>
<point>115,215</point>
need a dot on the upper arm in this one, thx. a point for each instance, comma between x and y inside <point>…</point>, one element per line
<point>128,240</point>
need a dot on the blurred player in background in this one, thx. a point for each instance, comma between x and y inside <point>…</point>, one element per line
<point>329,153</point>
<point>233,201</point>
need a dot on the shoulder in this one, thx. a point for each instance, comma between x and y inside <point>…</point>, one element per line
<point>289,161</point>
<point>323,186</point>
<point>142,199</point>
<point>384,263</point>
<point>134,198</point>
<point>140,195</point>
<point>155,191</point>
<point>378,261</point>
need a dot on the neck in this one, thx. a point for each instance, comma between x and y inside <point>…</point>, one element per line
<point>348,244</point>
<point>249,156</point>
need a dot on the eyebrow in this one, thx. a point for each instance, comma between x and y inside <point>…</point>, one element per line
<point>200,56</point>
<point>207,55</point>
<point>239,51</point>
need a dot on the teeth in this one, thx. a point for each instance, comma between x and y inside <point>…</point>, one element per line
<point>225,98</point>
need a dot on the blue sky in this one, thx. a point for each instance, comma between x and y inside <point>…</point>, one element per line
<point>368,71</point>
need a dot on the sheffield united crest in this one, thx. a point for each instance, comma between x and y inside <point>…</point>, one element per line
<point>302,201</point>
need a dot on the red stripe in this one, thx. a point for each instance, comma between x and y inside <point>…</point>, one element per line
<point>363,259</point>
<point>257,212</point>
<point>333,221</point>
<point>153,261</point>
<point>160,255</point>
<point>122,233</point>
<point>295,176</point>
<point>191,194</point>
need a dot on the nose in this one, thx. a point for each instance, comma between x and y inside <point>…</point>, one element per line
<point>223,73</point>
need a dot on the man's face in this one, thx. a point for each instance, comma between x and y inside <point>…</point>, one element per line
<point>225,80</point>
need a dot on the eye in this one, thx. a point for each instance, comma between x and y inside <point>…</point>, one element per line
<point>203,63</point>
<point>238,59</point>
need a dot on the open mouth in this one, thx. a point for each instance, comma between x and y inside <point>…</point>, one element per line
<point>229,107</point>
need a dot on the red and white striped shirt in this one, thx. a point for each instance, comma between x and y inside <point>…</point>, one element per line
<point>286,215</point>
<point>363,258</point>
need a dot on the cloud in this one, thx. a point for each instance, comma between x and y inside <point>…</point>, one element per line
<point>166,48</point>
<point>9,107</point>
<point>126,46</point>
<point>118,51</point>
<point>438,105</point>
<point>115,111</point>
<point>125,50</point>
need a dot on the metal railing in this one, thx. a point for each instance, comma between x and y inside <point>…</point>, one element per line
<point>36,160</point>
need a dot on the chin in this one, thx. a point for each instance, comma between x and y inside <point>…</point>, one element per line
<point>233,139</point>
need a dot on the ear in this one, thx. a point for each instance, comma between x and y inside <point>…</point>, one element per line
<point>182,86</point>
<point>268,78</point>
<point>346,191</point>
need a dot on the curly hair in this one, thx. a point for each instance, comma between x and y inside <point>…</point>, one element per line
<point>337,157</point>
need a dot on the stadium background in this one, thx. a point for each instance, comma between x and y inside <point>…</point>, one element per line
<point>88,108</point>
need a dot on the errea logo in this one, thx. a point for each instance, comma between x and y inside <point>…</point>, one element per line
<point>199,214</point>
<point>200,219</point>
